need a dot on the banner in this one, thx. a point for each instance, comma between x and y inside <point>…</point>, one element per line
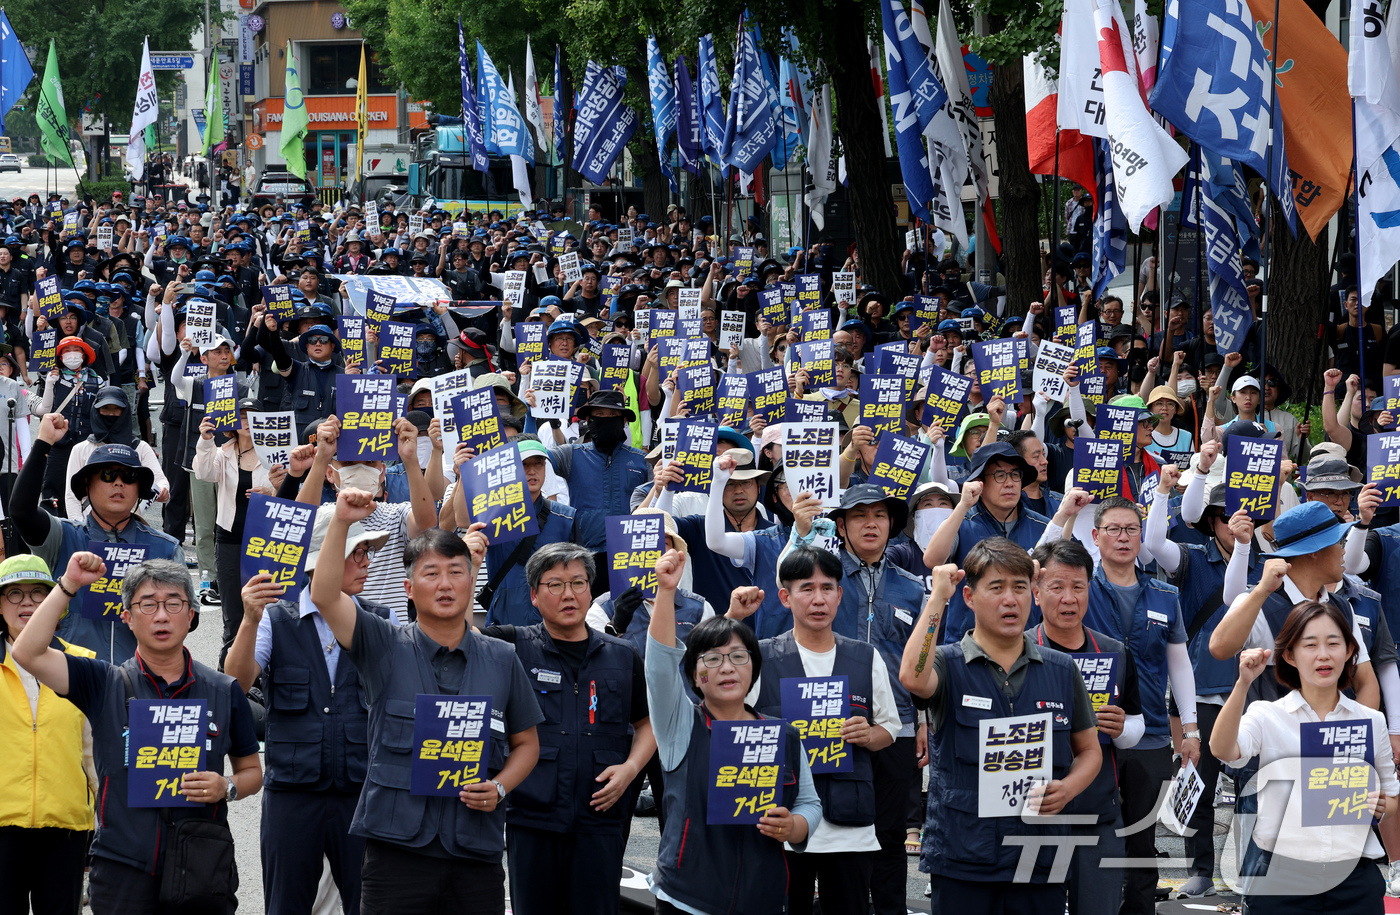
<point>695,452</point>
<point>664,113</point>
<point>750,126</point>
<point>102,600</point>
<point>818,707</point>
<point>165,741</point>
<point>451,744</point>
<point>883,399</point>
<point>274,436</point>
<point>53,119</point>
<point>810,454</point>
<point>221,401</point>
<point>477,420</point>
<point>276,539</point>
<point>898,463</point>
<point>471,110</point>
<point>1098,467</point>
<point>635,542</point>
<point>366,404</point>
<point>494,487</point>
<point>711,103</point>
<point>746,769</point>
<point>1015,755</point>
<point>603,124</point>
<point>1252,475</point>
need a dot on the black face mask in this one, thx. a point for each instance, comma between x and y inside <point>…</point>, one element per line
<point>425,348</point>
<point>113,429</point>
<point>608,431</point>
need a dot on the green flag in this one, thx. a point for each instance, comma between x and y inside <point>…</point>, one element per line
<point>53,120</point>
<point>213,108</point>
<point>294,120</point>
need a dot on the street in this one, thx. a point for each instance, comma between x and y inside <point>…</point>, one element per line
<point>38,181</point>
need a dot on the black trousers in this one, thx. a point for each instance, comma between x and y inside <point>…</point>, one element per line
<point>1200,847</point>
<point>842,877</point>
<point>227,557</point>
<point>177,511</point>
<point>120,889</point>
<point>973,897</point>
<point>55,486</point>
<point>400,881</point>
<point>1361,892</point>
<point>563,873</point>
<point>41,870</point>
<point>893,769</point>
<point>1141,774</point>
<point>298,828</point>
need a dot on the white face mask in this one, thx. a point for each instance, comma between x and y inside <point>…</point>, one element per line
<point>425,451</point>
<point>1186,387</point>
<point>72,360</point>
<point>360,476</point>
<point>926,523</point>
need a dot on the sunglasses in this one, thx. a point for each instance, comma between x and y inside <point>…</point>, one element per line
<point>319,338</point>
<point>112,474</point>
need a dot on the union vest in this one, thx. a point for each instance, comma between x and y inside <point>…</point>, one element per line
<point>976,527</point>
<point>1156,610</point>
<point>885,619</point>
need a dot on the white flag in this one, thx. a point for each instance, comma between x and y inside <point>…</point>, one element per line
<point>1081,101</point>
<point>143,115</point>
<point>950,61</point>
<point>877,81</point>
<point>1375,91</point>
<point>520,172</point>
<point>534,114</point>
<point>819,160</point>
<point>948,159</point>
<point>1145,157</point>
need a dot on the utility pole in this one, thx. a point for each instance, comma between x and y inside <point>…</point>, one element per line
<point>986,259</point>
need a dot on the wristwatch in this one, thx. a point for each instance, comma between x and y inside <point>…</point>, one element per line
<point>232,793</point>
<point>1191,735</point>
<point>500,790</point>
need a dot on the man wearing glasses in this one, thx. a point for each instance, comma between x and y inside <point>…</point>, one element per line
<point>567,818</point>
<point>1131,606</point>
<point>316,726</point>
<point>113,481</point>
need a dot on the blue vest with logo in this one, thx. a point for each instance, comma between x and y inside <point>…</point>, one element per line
<point>111,638</point>
<point>310,392</point>
<point>1153,616</point>
<point>957,843</point>
<point>601,484</point>
<point>387,811</point>
<point>1276,608</point>
<point>884,619</point>
<point>976,527</point>
<point>137,836</point>
<point>1367,609</point>
<point>1201,583</point>
<point>586,729</point>
<point>716,577</point>
<point>1387,577</point>
<point>510,605</point>
<point>848,798</point>
<point>720,870</point>
<point>689,607</point>
<point>317,731</point>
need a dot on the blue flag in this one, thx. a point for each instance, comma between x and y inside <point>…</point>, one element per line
<point>15,71</point>
<point>507,135</point>
<point>783,144</point>
<point>908,132</point>
<point>603,125</point>
<point>750,127</point>
<point>1213,86</point>
<point>792,131</point>
<point>663,107</point>
<point>711,105</point>
<point>926,95</point>
<point>689,126</point>
<point>1229,302</point>
<point>561,112</point>
<point>471,114</point>
<point>1225,184</point>
<point>1110,225</point>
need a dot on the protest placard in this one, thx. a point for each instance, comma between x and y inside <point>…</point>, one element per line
<point>772,308</point>
<point>351,330</point>
<point>477,419</point>
<point>695,452</point>
<point>274,436</point>
<point>688,303</point>
<point>1015,755</point>
<point>616,362</point>
<point>1185,792</point>
<point>276,539</point>
<point>1093,389</point>
<point>199,322</point>
<point>1050,365</point>
<point>451,744</point>
<point>814,325</point>
<point>635,542</point>
<point>551,380</point>
<point>493,485</point>
<point>570,265</point>
<point>810,409</point>
<point>769,391</point>
<point>883,399</point>
<point>1100,673</point>
<point>998,374</point>
<point>695,386</point>
<point>810,456</point>
<point>947,397</point>
<point>43,358</point>
<point>529,342</point>
<point>513,290</point>
<point>165,741</point>
<point>1338,762</point>
<point>731,400</point>
<point>102,600</point>
<point>624,238</point>
<point>379,307</point>
<point>843,286</point>
<point>818,361</point>
<point>50,298</point>
<point>221,401</point>
<point>731,329</point>
<point>1252,475</point>
<point>1117,423</point>
<point>396,347</point>
<point>809,290</point>
<point>1383,463</point>
<point>1098,467</point>
<point>818,707</point>
<point>746,770</point>
<point>897,465</point>
<point>926,309</point>
<point>743,260</point>
<point>1066,323</point>
<point>367,406</point>
<point>1085,346</point>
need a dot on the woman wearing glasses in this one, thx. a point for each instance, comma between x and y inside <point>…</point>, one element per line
<point>704,867</point>
<point>236,472</point>
<point>46,802</point>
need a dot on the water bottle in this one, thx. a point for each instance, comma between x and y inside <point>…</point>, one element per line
<point>204,581</point>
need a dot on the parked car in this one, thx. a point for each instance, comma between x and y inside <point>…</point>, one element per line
<point>10,162</point>
<point>290,188</point>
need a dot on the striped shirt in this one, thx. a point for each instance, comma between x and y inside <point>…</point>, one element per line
<point>386,574</point>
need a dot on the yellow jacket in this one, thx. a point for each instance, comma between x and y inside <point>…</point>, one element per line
<point>44,783</point>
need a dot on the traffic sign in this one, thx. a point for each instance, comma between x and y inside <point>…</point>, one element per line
<point>178,61</point>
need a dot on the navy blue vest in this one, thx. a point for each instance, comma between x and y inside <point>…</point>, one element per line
<point>976,527</point>
<point>317,731</point>
<point>601,484</point>
<point>848,798</point>
<point>1387,578</point>
<point>956,842</point>
<point>1201,582</point>
<point>511,604</point>
<point>1276,608</point>
<point>578,739</point>
<point>884,619</point>
<point>689,607</point>
<point>310,391</point>
<point>1153,616</point>
<point>137,836</point>
<point>387,810</point>
<point>720,869</point>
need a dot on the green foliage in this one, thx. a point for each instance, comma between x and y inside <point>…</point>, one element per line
<point>1016,29</point>
<point>39,160</point>
<point>102,190</point>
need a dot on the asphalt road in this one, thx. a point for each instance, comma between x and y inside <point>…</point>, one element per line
<point>37,181</point>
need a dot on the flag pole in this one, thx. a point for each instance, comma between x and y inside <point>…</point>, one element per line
<point>1356,233</point>
<point>1266,250</point>
<point>1321,326</point>
<point>1200,249</point>
<point>1055,212</point>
